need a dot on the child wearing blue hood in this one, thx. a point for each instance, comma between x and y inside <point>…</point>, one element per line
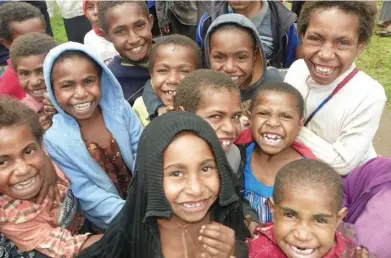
<point>95,133</point>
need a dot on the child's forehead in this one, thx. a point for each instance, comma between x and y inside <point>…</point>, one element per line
<point>266,97</point>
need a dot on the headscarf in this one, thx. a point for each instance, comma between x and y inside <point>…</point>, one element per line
<point>96,29</point>
<point>134,232</point>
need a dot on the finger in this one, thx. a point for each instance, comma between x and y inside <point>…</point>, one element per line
<point>218,230</point>
<point>216,244</point>
<point>213,252</point>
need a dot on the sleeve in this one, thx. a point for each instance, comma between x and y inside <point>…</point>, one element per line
<point>150,99</point>
<point>292,43</point>
<point>161,13</point>
<point>348,151</point>
<point>135,129</point>
<point>51,4</point>
<point>98,205</point>
<point>60,243</point>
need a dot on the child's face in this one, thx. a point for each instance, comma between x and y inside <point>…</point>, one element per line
<point>232,52</point>
<point>21,162</point>
<point>241,5</point>
<point>221,109</point>
<point>17,28</point>
<point>330,44</point>
<point>275,121</point>
<point>130,31</point>
<point>305,221</point>
<point>172,64</point>
<point>30,74</point>
<point>191,186</point>
<point>77,91</point>
<point>92,12</point>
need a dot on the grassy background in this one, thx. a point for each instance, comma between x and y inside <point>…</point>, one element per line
<point>375,60</point>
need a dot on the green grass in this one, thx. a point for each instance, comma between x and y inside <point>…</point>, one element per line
<point>375,60</point>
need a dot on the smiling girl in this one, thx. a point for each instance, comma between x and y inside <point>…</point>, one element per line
<point>343,106</point>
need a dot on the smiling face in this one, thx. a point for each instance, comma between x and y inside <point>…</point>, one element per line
<point>129,28</point>
<point>172,64</point>
<point>21,162</point>
<point>30,75</point>
<point>92,12</point>
<point>221,109</point>
<point>232,52</point>
<point>275,121</point>
<point>330,44</point>
<point>305,221</point>
<point>191,186</point>
<point>77,91</point>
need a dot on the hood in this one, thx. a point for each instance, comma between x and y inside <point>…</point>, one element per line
<point>111,90</point>
<point>240,20</point>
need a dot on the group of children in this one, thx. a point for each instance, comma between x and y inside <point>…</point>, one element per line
<point>79,171</point>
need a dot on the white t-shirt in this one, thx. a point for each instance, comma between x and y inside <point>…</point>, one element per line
<point>101,46</point>
<point>341,133</point>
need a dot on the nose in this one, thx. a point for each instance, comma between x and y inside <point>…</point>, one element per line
<point>133,38</point>
<point>229,66</point>
<point>273,121</point>
<point>36,79</point>
<point>228,127</point>
<point>326,52</point>
<point>194,185</point>
<point>21,168</point>
<point>95,11</point>
<point>173,77</point>
<point>303,233</point>
<point>80,92</point>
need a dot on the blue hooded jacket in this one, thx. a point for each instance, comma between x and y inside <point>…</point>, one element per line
<point>98,196</point>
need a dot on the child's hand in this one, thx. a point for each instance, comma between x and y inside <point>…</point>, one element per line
<point>49,185</point>
<point>218,241</point>
<point>360,252</point>
<point>48,107</point>
<point>45,121</point>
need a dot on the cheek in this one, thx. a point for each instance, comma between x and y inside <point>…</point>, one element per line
<point>172,189</point>
<point>157,81</point>
<point>213,183</point>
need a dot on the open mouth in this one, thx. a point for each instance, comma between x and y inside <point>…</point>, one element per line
<point>25,184</point>
<point>226,143</point>
<point>136,50</point>
<point>82,107</point>
<point>195,206</point>
<point>272,139</point>
<point>37,92</point>
<point>170,93</point>
<point>324,71</point>
<point>301,252</point>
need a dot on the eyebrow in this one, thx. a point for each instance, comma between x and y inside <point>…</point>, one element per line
<point>286,209</point>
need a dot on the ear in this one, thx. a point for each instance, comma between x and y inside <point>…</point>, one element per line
<point>151,20</point>
<point>341,215</point>
<point>301,123</point>
<point>361,46</point>
<point>272,207</point>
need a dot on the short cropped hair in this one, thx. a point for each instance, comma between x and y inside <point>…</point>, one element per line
<point>365,11</point>
<point>31,44</point>
<point>189,91</point>
<point>69,54</point>
<point>280,87</point>
<point>16,12</point>
<point>308,173</point>
<point>104,6</point>
<point>234,26</point>
<point>178,40</point>
<point>13,113</point>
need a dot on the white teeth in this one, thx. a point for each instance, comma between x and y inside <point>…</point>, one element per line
<point>82,107</point>
<point>192,205</point>
<point>170,92</point>
<point>23,184</point>
<point>38,92</point>
<point>272,138</point>
<point>302,251</point>
<point>225,143</point>
<point>234,78</point>
<point>136,49</point>
<point>323,70</point>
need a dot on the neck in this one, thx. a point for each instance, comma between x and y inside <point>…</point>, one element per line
<point>177,224</point>
<point>252,10</point>
<point>276,159</point>
<point>95,117</point>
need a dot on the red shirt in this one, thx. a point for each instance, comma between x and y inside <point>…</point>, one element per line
<point>9,83</point>
<point>264,245</point>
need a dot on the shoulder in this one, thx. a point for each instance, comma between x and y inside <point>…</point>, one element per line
<point>368,87</point>
<point>89,37</point>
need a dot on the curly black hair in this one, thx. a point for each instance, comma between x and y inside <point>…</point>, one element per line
<point>14,113</point>
<point>189,91</point>
<point>313,174</point>
<point>365,11</point>
<point>16,11</point>
<point>280,87</point>
<point>178,40</point>
<point>104,6</point>
<point>31,44</point>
